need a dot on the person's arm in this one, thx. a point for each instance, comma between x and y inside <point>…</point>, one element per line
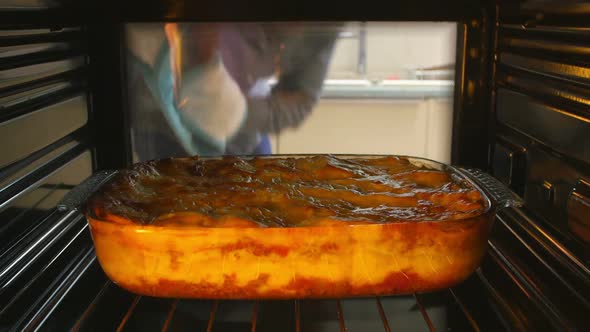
<point>298,89</point>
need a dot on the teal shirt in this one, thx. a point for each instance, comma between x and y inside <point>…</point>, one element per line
<point>160,82</point>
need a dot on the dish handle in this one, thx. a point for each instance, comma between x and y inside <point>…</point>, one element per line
<point>500,195</point>
<point>76,197</point>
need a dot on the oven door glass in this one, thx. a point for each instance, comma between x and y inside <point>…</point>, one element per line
<point>281,88</point>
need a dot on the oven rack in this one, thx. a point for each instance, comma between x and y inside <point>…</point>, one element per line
<point>119,310</point>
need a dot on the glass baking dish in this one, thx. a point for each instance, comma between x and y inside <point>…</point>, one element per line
<point>347,260</point>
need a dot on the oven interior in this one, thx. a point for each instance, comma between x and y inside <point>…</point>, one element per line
<point>522,82</point>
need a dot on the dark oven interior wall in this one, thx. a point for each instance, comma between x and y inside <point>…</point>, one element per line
<point>540,148</point>
<point>542,122</point>
<point>46,149</point>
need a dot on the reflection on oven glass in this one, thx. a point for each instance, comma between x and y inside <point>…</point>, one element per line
<point>265,88</point>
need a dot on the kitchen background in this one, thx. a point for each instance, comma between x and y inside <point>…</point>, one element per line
<point>389,91</point>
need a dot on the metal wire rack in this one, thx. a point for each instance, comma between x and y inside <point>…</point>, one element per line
<point>115,309</point>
